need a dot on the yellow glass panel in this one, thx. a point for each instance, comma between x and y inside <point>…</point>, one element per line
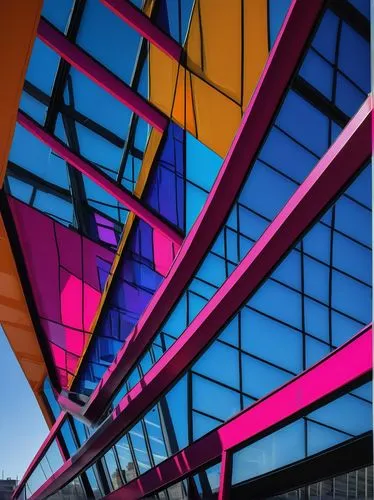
<point>163,72</point>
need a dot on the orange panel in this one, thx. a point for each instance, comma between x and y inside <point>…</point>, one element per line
<point>18,23</point>
<point>162,79</point>
<point>217,117</point>
<point>183,108</point>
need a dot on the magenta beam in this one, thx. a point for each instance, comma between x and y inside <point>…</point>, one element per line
<point>119,193</point>
<point>100,75</point>
<point>340,163</point>
<point>348,364</point>
<point>275,78</point>
<point>144,26</point>
<point>40,453</point>
<point>345,366</point>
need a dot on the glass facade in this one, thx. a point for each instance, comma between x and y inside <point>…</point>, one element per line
<point>140,125</point>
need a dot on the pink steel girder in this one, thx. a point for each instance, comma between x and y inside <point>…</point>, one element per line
<point>347,366</point>
<point>119,193</point>
<point>275,78</point>
<point>341,162</point>
<point>144,26</point>
<point>84,63</point>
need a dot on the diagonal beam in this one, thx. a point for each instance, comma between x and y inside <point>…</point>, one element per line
<point>121,194</point>
<point>144,26</point>
<point>274,81</point>
<point>341,162</point>
<point>346,367</point>
<point>84,63</point>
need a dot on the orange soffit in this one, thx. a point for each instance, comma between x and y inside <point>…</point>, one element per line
<point>18,23</point>
<point>15,318</point>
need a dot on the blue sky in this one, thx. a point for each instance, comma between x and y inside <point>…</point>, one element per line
<point>22,426</point>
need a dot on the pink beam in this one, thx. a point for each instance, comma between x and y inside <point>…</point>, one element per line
<point>336,373</point>
<point>119,193</point>
<point>40,453</point>
<point>100,75</point>
<point>144,26</point>
<point>340,163</point>
<point>275,78</point>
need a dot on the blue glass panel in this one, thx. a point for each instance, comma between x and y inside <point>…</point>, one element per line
<point>277,12</point>
<point>42,66</point>
<point>278,301</point>
<point>213,270</point>
<point>213,399</point>
<point>347,213</point>
<point>201,425</point>
<point>20,189</point>
<point>347,414</point>
<point>125,459</point>
<point>113,471</point>
<point>316,319</point>
<point>344,289</point>
<point>325,38</point>
<point>316,243</point>
<point>354,54</point>
<point>316,280</point>
<point>348,97</point>
<point>104,35</point>
<point>33,108</point>
<point>321,437</point>
<point>108,111</point>
<point>96,487</point>
<point>289,270</point>
<point>270,340</point>
<point>49,394</point>
<point>54,206</point>
<point>312,130</point>
<point>272,452</point>
<point>266,191</point>
<point>216,357</point>
<point>176,400</point>
<point>360,189</point>
<point>58,13</point>
<point>365,391</point>
<point>177,321</point>
<point>202,164</point>
<point>287,155</point>
<point>314,351</point>
<point>68,438</point>
<point>195,199</point>
<point>30,153</point>
<point>352,258</point>
<point>318,73</point>
<point>155,436</point>
<point>259,378</point>
<point>230,333</point>
<point>140,449</point>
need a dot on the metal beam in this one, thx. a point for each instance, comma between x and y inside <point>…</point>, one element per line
<point>144,26</point>
<point>84,63</point>
<point>283,60</point>
<point>331,175</point>
<point>343,369</point>
<point>121,194</point>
